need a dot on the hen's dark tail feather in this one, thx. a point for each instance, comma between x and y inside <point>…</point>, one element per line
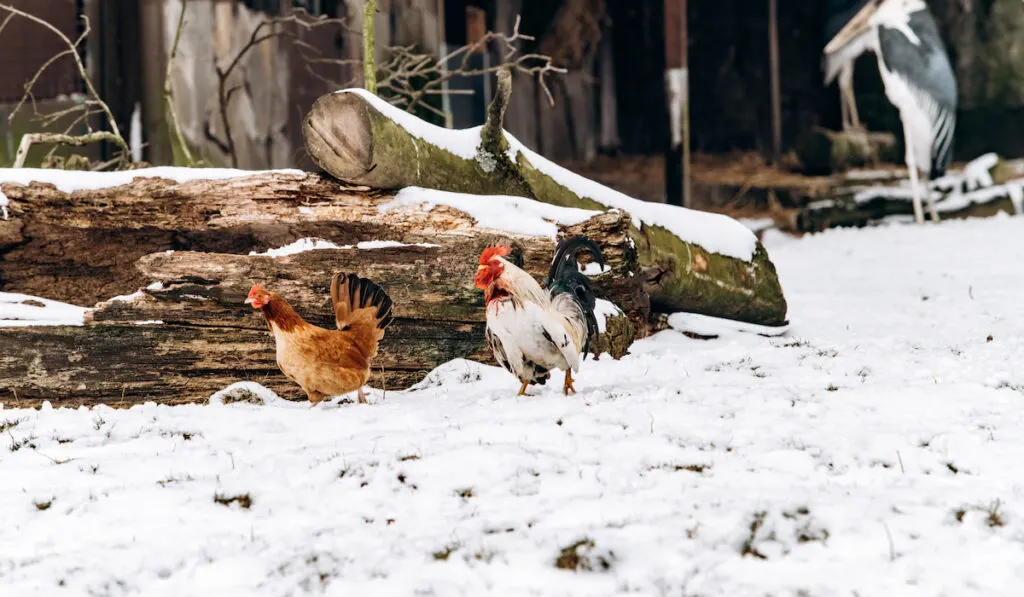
<point>349,292</point>
<point>564,276</point>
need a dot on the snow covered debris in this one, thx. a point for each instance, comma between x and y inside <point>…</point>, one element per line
<point>300,246</point>
<point>389,244</point>
<point>877,449</point>
<point>68,181</point>
<point>315,244</point>
<point>715,232</point>
<point>21,310</point>
<point>515,215</point>
<point>705,325</point>
<point>603,311</point>
<point>978,172</point>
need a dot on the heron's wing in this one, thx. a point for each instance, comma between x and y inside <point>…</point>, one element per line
<point>922,63</point>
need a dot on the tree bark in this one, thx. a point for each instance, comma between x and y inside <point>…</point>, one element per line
<point>356,143</point>
<point>188,333</point>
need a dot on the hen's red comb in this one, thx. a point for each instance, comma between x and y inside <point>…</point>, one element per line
<point>494,251</point>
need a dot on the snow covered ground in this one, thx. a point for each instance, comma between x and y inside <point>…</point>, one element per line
<point>876,449</point>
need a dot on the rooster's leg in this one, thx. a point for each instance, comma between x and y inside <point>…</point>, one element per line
<point>362,396</point>
<point>568,387</point>
<point>522,389</point>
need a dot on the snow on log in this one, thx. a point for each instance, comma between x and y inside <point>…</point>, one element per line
<point>194,248</point>
<point>693,261</point>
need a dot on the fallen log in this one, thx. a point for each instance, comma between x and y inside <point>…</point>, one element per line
<point>693,261</point>
<point>187,333</point>
<point>984,187</point>
<point>880,205</point>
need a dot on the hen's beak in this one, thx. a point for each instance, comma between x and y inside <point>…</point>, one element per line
<point>857,25</point>
<point>248,301</point>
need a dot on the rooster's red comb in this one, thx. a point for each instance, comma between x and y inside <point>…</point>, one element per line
<point>494,251</point>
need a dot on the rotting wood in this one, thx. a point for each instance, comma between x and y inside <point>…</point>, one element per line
<point>207,338</point>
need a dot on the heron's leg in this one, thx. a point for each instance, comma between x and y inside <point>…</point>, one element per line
<point>848,101</point>
<point>915,184</point>
<point>844,108</point>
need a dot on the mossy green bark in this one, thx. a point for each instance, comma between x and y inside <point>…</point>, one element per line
<point>354,142</point>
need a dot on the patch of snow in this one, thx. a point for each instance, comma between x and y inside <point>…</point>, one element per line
<point>246,389</point>
<point>594,269</point>
<point>714,232</point>
<point>515,215</point>
<point>389,244</point>
<point>315,244</point>
<point>300,246</point>
<point>978,172</point>
<point>875,450</point>
<point>705,325</point>
<point>4,203</point>
<point>756,225</point>
<point>1017,197</point>
<point>21,310</point>
<point>68,181</point>
<point>602,311</point>
<point>127,298</point>
<point>148,322</point>
<point>155,286</point>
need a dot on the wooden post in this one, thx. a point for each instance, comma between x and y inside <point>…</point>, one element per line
<point>773,59</point>
<point>677,157</point>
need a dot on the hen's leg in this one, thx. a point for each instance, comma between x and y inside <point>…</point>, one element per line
<point>362,396</point>
<point>315,398</point>
<point>522,389</point>
<point>568,387</point>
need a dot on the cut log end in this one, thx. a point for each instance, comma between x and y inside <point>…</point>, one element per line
<point>339,135</point>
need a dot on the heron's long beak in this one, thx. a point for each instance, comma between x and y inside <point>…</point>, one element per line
<point>857,26</point>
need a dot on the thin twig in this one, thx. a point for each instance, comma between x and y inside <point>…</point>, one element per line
<point>411,76</point>
<point>27,140</point>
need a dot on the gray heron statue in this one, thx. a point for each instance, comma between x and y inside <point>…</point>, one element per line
<point>838,65</point>
<point>918,80</point>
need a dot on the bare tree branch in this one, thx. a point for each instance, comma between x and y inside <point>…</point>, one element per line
<point>411,76</point>
<point>72,50</point>
<point>30,139</point>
